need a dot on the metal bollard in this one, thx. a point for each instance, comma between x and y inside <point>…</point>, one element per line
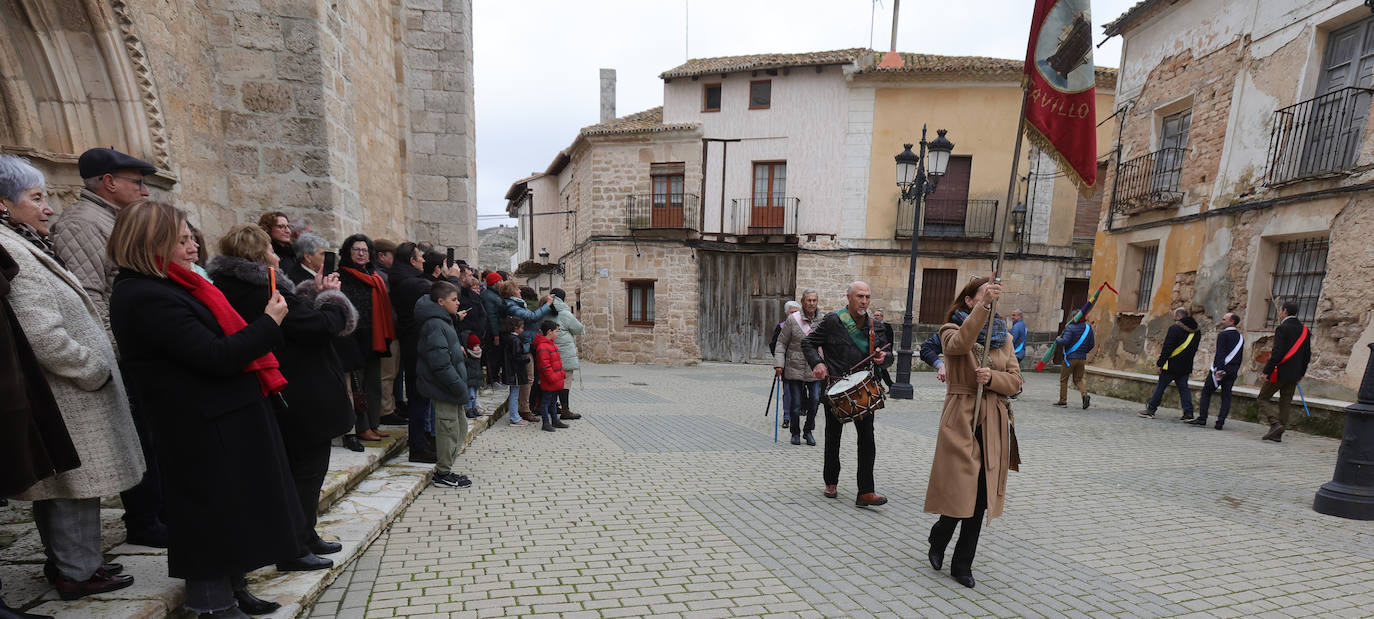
<point>1350,493</point>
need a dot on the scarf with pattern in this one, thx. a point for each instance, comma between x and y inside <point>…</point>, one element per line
<point>30,234</point>
<point>999,329</point>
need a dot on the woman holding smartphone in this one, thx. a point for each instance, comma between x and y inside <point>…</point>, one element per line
<point>204,375</point>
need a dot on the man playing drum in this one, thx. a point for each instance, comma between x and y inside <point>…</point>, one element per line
<point>847,338</point>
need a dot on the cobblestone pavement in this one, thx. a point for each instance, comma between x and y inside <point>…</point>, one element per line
<point>671,498</point>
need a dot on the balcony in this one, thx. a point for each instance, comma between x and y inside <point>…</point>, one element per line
<point>1318,137</point>
<point>1149,181</point>
<point>949,219</point>
<point>662,211</point>
<point>763,216</point>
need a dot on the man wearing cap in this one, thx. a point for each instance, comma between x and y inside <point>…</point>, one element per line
<point>113,181</point>
<point>386,256</point>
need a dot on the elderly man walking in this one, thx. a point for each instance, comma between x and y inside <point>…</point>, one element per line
<point>1222,374</point>
<point>1175,363</point>
<point>1286,366</point>
<point>113,181</point>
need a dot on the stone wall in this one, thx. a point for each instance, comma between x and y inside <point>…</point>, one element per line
<point>304,106</point>
<point>596,279</point>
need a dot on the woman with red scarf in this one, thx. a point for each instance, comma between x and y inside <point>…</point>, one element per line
<point>205,376</point>
<point>359,281</point>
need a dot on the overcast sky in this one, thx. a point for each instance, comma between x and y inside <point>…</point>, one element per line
<point>537,61</point>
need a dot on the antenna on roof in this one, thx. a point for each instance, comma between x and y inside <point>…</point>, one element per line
<point>686,30</point>
<point>872,16</point>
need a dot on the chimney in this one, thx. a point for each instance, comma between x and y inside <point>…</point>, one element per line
<point>607,95</point>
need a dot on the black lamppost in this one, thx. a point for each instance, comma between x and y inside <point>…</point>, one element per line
<point>1018,224</point>
<point>916,182</point>
<point>1350,493</point>
<point>544,262</point>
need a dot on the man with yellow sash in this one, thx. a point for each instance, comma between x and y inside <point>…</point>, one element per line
<point>1175,363</point>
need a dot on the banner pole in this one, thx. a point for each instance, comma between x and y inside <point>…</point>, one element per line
<point>1002,244</point>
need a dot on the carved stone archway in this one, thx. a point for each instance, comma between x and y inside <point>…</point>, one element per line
<point>73,76</point>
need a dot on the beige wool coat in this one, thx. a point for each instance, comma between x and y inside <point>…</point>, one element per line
<point>79,236</point>
<point>68,338</point>
<point>953,488</point>
<point>789,354</point>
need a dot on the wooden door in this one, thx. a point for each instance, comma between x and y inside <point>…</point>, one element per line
<point>740,300</point>
<point>767,213</point>
<point>1075,295</point>
<point>667,201</point>
<point>938,287</point>
<point>947,207</point>
<point>1337,122</point>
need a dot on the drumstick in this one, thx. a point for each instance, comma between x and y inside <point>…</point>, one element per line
<point>870,356</point>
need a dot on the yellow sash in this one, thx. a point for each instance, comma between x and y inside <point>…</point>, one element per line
<point>1186,341</point>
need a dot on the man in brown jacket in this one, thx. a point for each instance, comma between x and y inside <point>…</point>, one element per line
<point>113,180</point>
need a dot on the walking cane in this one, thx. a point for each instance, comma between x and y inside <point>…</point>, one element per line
<point>1304,400</point>
<point>776,406</point>
<point>769,405</point>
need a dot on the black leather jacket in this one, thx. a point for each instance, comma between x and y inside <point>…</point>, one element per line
<point>840,352</point>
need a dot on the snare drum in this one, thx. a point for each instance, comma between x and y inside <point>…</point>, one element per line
<point>855,396</point>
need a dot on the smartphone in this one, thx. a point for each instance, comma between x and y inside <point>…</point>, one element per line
<point>450,256</point>
<point>331,262</point>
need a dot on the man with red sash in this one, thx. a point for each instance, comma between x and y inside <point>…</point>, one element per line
<point>1286,366</point>
<point>1175,363</point>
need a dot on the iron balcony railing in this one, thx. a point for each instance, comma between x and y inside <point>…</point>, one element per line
<point>949,219</point>
<point>763,215</point>
<point>662,211</point>
<point>1150,180</point>
<point>1317,137</point>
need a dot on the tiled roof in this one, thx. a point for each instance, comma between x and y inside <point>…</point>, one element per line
<point>648,121</point>
<point>1115,26</point>
<point>730,64</point>
<point>932,64</point>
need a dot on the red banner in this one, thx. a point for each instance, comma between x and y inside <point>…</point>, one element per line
<point>1061,109</point>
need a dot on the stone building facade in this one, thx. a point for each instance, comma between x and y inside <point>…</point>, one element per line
<point>357,116</point>
<point>762,176</point>
<point>1243,182</point>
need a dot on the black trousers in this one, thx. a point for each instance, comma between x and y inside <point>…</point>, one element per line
<point>309,461</point>
<point>1205,399</point>
<point>143,502</point>
<point>867,452</point>
<point>969,528</point>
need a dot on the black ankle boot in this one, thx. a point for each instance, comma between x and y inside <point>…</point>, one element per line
<point>250,604</point>
<point>547,427</point>
<point>559,424</point>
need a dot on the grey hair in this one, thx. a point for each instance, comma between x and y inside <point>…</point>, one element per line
<point>1180,313</point>
<point>850,290</point>
<point>300,225</point>
<point>308,243</point>
<point>810,291</point>
<point>17,176</point>
<point>93,183</point>
<point>790,304</point>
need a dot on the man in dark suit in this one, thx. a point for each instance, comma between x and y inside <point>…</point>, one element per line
<point>1286,366</point>
<point>838,335</point>
<point>1175,363</point>
<point>1222,374</point>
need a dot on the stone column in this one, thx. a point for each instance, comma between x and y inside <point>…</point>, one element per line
<point>441,162</point>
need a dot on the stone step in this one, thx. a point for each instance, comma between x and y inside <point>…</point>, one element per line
<point>363,493</point>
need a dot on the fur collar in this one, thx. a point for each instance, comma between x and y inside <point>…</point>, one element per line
<point>248,271</point>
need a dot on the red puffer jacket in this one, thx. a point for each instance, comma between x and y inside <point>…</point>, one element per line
<point>548,363</point>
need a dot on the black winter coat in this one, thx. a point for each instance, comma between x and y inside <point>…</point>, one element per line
<point>316,395</point>
<point>230,504</point>
<point>360,295</point>
<point>1177,334</point>
<point>1285,336</point>
<point>513,360</point>
<point>476,320</point>
<point>441,371</point>
<point>1226,342</point>
<point>841,353</point>
<point>34,443</point>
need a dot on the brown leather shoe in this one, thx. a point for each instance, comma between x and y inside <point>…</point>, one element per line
<point>530,417</point>
<point>381,433</point>
<point>569,415</point>
<point>831,491</point>
<point>369,435</point>
<point>870,498</point>
<point>100,582</point>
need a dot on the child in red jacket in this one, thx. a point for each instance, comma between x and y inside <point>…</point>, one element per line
<point>549,365</point>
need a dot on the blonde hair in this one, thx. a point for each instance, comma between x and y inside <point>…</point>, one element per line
<point>509,290</point>
<point>145,236</point>
<point>246,241</point>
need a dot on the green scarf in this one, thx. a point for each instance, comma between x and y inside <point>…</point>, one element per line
<point>859,337</point>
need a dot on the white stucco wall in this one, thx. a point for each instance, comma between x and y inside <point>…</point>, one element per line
<point>806,125</point>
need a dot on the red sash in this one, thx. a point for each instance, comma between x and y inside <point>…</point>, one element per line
<point>1274,374</point>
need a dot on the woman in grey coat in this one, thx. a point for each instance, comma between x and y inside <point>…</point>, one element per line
<point>68,339</point>
<point>568,328</point>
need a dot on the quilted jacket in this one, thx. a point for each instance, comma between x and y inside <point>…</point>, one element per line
<point>78,237</point>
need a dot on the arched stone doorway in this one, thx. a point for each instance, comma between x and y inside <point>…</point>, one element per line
<point>73,76</point>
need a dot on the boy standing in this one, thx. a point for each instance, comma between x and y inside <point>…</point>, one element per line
<point>550,367</point>
<point>441,376</point>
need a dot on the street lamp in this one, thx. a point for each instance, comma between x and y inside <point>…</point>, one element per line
<point>916,182</point>
<point>1018,223</point>
<point>544,261</point>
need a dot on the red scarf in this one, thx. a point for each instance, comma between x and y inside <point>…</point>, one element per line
<point>383,329</point>
<point>266,366</point>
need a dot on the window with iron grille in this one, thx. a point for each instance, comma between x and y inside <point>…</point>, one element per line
<point>640,302</point>
<point>1298,274</point>
<point>1145,288</point>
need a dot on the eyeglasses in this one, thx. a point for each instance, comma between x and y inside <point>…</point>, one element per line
<point>137,181</point>
<point>359,250</point>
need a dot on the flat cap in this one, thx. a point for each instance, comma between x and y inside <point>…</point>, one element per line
<point>384,245</point>
<point>100,161</point>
